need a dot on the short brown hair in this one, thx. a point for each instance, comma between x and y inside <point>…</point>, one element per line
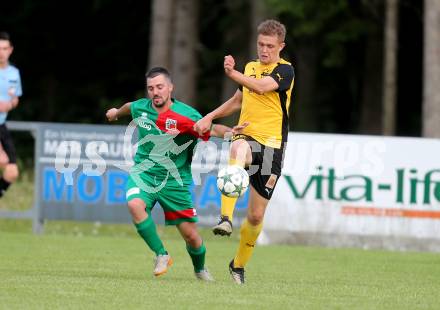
<point>272,27</point>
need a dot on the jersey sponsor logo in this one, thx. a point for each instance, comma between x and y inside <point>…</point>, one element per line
<point>254,73</point>
<point>133,191</point>
<point>265,73</point>
<point>280,78</point>
<point>144,122</point>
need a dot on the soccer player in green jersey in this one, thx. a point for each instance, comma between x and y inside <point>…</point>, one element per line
<point>162,168</point>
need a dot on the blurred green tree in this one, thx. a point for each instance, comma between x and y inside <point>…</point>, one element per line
<point>336,43</point>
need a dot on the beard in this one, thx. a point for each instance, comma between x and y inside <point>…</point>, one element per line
<point>160,103</point>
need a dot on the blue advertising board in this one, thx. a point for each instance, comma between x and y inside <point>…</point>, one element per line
<point>82,172</point>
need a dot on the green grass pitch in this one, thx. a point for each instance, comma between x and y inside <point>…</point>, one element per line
<point>86,266</point>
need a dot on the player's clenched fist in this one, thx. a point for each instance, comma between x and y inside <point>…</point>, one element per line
<point>229,64</point>
<point>203,125</point>
<point>112,115</point>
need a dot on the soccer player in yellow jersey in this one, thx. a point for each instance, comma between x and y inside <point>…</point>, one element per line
<point>264,98</point>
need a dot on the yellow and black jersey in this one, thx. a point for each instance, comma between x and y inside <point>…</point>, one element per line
<point>268,113</point>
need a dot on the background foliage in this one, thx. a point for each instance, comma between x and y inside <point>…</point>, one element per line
<point>80,59</point>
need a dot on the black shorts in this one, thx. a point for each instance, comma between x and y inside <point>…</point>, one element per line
<point>7,144</point>
<point>265,169</point>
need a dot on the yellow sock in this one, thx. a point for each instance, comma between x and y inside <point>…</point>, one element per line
<point>228,206</point>
<point>248,237</point>
<point>238,162</point>
<point>228,203</point>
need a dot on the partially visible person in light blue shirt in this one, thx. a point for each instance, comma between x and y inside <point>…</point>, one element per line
<point>10,91</point>
<point>10,87</point>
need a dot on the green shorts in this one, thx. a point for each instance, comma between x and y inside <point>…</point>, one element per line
<point>176,201</point>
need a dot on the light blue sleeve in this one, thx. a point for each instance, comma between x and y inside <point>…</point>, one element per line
<point>18,90</point>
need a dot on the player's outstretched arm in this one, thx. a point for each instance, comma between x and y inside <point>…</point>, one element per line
<point>227,108</point>
<point>113,114</point>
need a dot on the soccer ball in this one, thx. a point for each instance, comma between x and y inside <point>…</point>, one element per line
<point>232,181</point>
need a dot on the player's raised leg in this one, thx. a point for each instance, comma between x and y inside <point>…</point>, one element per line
<point>240,154</point>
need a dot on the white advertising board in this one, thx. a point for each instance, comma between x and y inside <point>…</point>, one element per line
<point>358,185</point>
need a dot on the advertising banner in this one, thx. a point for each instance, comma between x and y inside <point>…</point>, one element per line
<point>359,186</point>
<point>83,170</point>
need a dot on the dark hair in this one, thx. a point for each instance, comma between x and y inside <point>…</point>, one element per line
<point>158,71</point>
<point>5,36</point>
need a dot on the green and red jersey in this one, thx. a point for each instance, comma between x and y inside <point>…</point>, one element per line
<point>166,142</point>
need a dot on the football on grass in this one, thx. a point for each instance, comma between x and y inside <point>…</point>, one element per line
<point>232,181</point>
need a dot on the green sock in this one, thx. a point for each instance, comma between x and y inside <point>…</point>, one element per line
<point>197,257</point>
<point>147,230</point>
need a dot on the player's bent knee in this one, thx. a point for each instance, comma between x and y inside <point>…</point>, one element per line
<point>137,208</point>
<point>193,239</point>
<point>255,218</point>
<point>190,234</point>
<point>11,173</point>
<point>239,146</point>
<point>3,161</point>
